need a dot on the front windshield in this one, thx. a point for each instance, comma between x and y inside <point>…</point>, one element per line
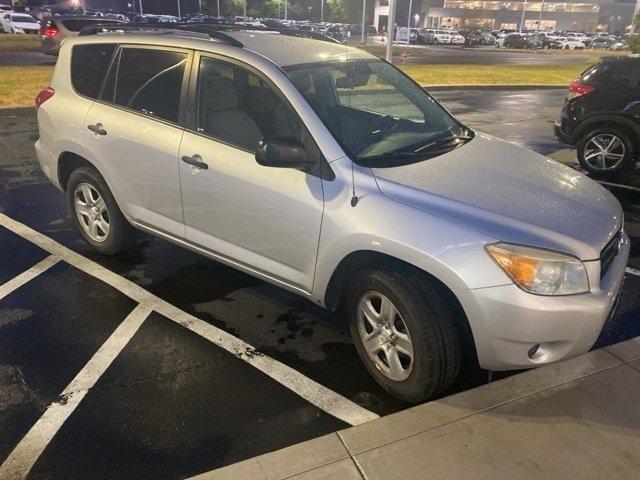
<point>375,111</point>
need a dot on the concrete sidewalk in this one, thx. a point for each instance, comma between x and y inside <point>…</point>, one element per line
<point>575,419</point>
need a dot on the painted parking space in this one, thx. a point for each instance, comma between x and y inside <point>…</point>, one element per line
<point>173,405</point>
<point>47,336</point>
<point>193,388</point>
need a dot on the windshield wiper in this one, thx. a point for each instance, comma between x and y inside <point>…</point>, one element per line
<point>428,149</point>
<point>453,140</point>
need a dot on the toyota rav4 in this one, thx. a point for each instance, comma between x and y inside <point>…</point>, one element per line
<point>325,170</point>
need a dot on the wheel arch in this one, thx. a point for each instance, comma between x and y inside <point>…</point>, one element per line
<point>68,162</point>
<point>362,259</point>
<point>608,121</point>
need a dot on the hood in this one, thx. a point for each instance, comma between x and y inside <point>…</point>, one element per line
<point>511,194</point>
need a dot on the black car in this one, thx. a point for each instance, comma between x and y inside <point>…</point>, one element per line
<point>601,116</point>
<point>516,40</point>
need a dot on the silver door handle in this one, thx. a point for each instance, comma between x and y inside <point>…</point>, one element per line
<point>195,161</point>
<point>97,129</point>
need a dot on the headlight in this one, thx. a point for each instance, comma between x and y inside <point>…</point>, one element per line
<point>540,271</point>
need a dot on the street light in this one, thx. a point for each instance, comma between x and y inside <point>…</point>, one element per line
<point>285,9</point>
<point>140,3</point>
<point>524,9</point>
<point>321,11</point>
<point>409,19</point>
<point>390,23</point>
<point>364,9</point>
<point>179,13</point>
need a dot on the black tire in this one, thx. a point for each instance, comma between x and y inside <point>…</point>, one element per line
<point>430,323</point>
<point>625,166</point>
<point>121,234</point>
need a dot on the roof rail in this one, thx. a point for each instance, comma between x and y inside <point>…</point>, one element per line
<point>107,27</point>
<point>291,32</point>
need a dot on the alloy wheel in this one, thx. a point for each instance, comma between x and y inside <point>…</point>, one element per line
<point>92,212</point>
<point>604,152</point>
<point>385,336</point>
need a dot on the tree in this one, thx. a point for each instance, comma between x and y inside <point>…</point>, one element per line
<point>345,11</point>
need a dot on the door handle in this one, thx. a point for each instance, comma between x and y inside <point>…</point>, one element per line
<point>97,129</point>
<point>195,161</point>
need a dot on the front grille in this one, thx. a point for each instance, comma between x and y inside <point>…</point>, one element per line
<point>608,253</point>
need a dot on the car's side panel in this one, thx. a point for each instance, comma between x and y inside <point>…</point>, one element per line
<point>444,249</point>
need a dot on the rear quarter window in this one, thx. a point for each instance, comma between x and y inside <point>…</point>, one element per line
<point>89,65</point>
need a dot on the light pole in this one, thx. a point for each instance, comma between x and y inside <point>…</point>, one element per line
<point>218,8</point>
<point>285,9</point>
<point>524,9</point>
<point>633,20</point>
<point>540,16</point>
<point>390,21</point>
<point>200,7</point>
<point>244,11</point>
<point>364,9</point>
<point>321,11</point>
<point>140,3</point>
<point>179,13</point>
<point>409,19</point>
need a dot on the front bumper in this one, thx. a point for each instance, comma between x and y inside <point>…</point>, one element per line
<point>508,322</point>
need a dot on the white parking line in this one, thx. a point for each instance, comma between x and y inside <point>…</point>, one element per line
<point>319,395</point>
<point>24,277</point>
<point>633,271</point>
<point>24,456</point>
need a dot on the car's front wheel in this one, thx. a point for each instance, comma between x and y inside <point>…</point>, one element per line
<point>95,213</point>
<point>404,332</point>
<point>605,152</point>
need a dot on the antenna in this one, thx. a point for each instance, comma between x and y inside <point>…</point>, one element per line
<point>354,198</point>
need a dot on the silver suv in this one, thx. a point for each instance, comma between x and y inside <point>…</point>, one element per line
<point>325,170</point>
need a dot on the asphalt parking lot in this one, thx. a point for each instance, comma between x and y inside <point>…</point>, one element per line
<point>163,364</point>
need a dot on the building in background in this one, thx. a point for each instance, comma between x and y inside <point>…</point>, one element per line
<point>595,15</point>
<point>381,14</point>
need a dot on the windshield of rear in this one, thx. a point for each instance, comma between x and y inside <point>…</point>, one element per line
<point>375,111</point>
<point>23,19</point>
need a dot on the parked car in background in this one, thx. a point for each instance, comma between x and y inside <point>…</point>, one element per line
<point>426,36</point>
<point>150,19</point>
<point>55,29</point>
<point>19,23</point>
<point>516,40</point>
<point>5,8</point>
<point>606,43</point>
<point>567,43</point>
<point>266,157</point>
<point>542,39</point>
<point>456,38</point>
<point>601,116</point>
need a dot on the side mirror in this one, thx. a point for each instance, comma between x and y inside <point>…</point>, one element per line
<point>282,153</point>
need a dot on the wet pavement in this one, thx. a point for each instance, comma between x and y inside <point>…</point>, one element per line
<point>172,403</point>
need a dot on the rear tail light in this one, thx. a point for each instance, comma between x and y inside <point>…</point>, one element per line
<point>577,89</point>
<point>50,31</point>
<point>43,96</point>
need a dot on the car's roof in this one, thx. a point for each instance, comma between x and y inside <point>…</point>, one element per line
<point>283,50</point>
<point>286,50</point>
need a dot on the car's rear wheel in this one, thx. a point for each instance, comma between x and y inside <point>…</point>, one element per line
<point>606,151</point>
<point>95,213</point>
<point>404,332</point>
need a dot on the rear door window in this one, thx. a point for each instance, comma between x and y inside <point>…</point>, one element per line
<point>89,65</point>
<point>150,81</point>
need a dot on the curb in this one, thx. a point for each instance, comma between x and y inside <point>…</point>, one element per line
<point>12,111</point>
<point>498,86</point>
<point>340,452</point>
